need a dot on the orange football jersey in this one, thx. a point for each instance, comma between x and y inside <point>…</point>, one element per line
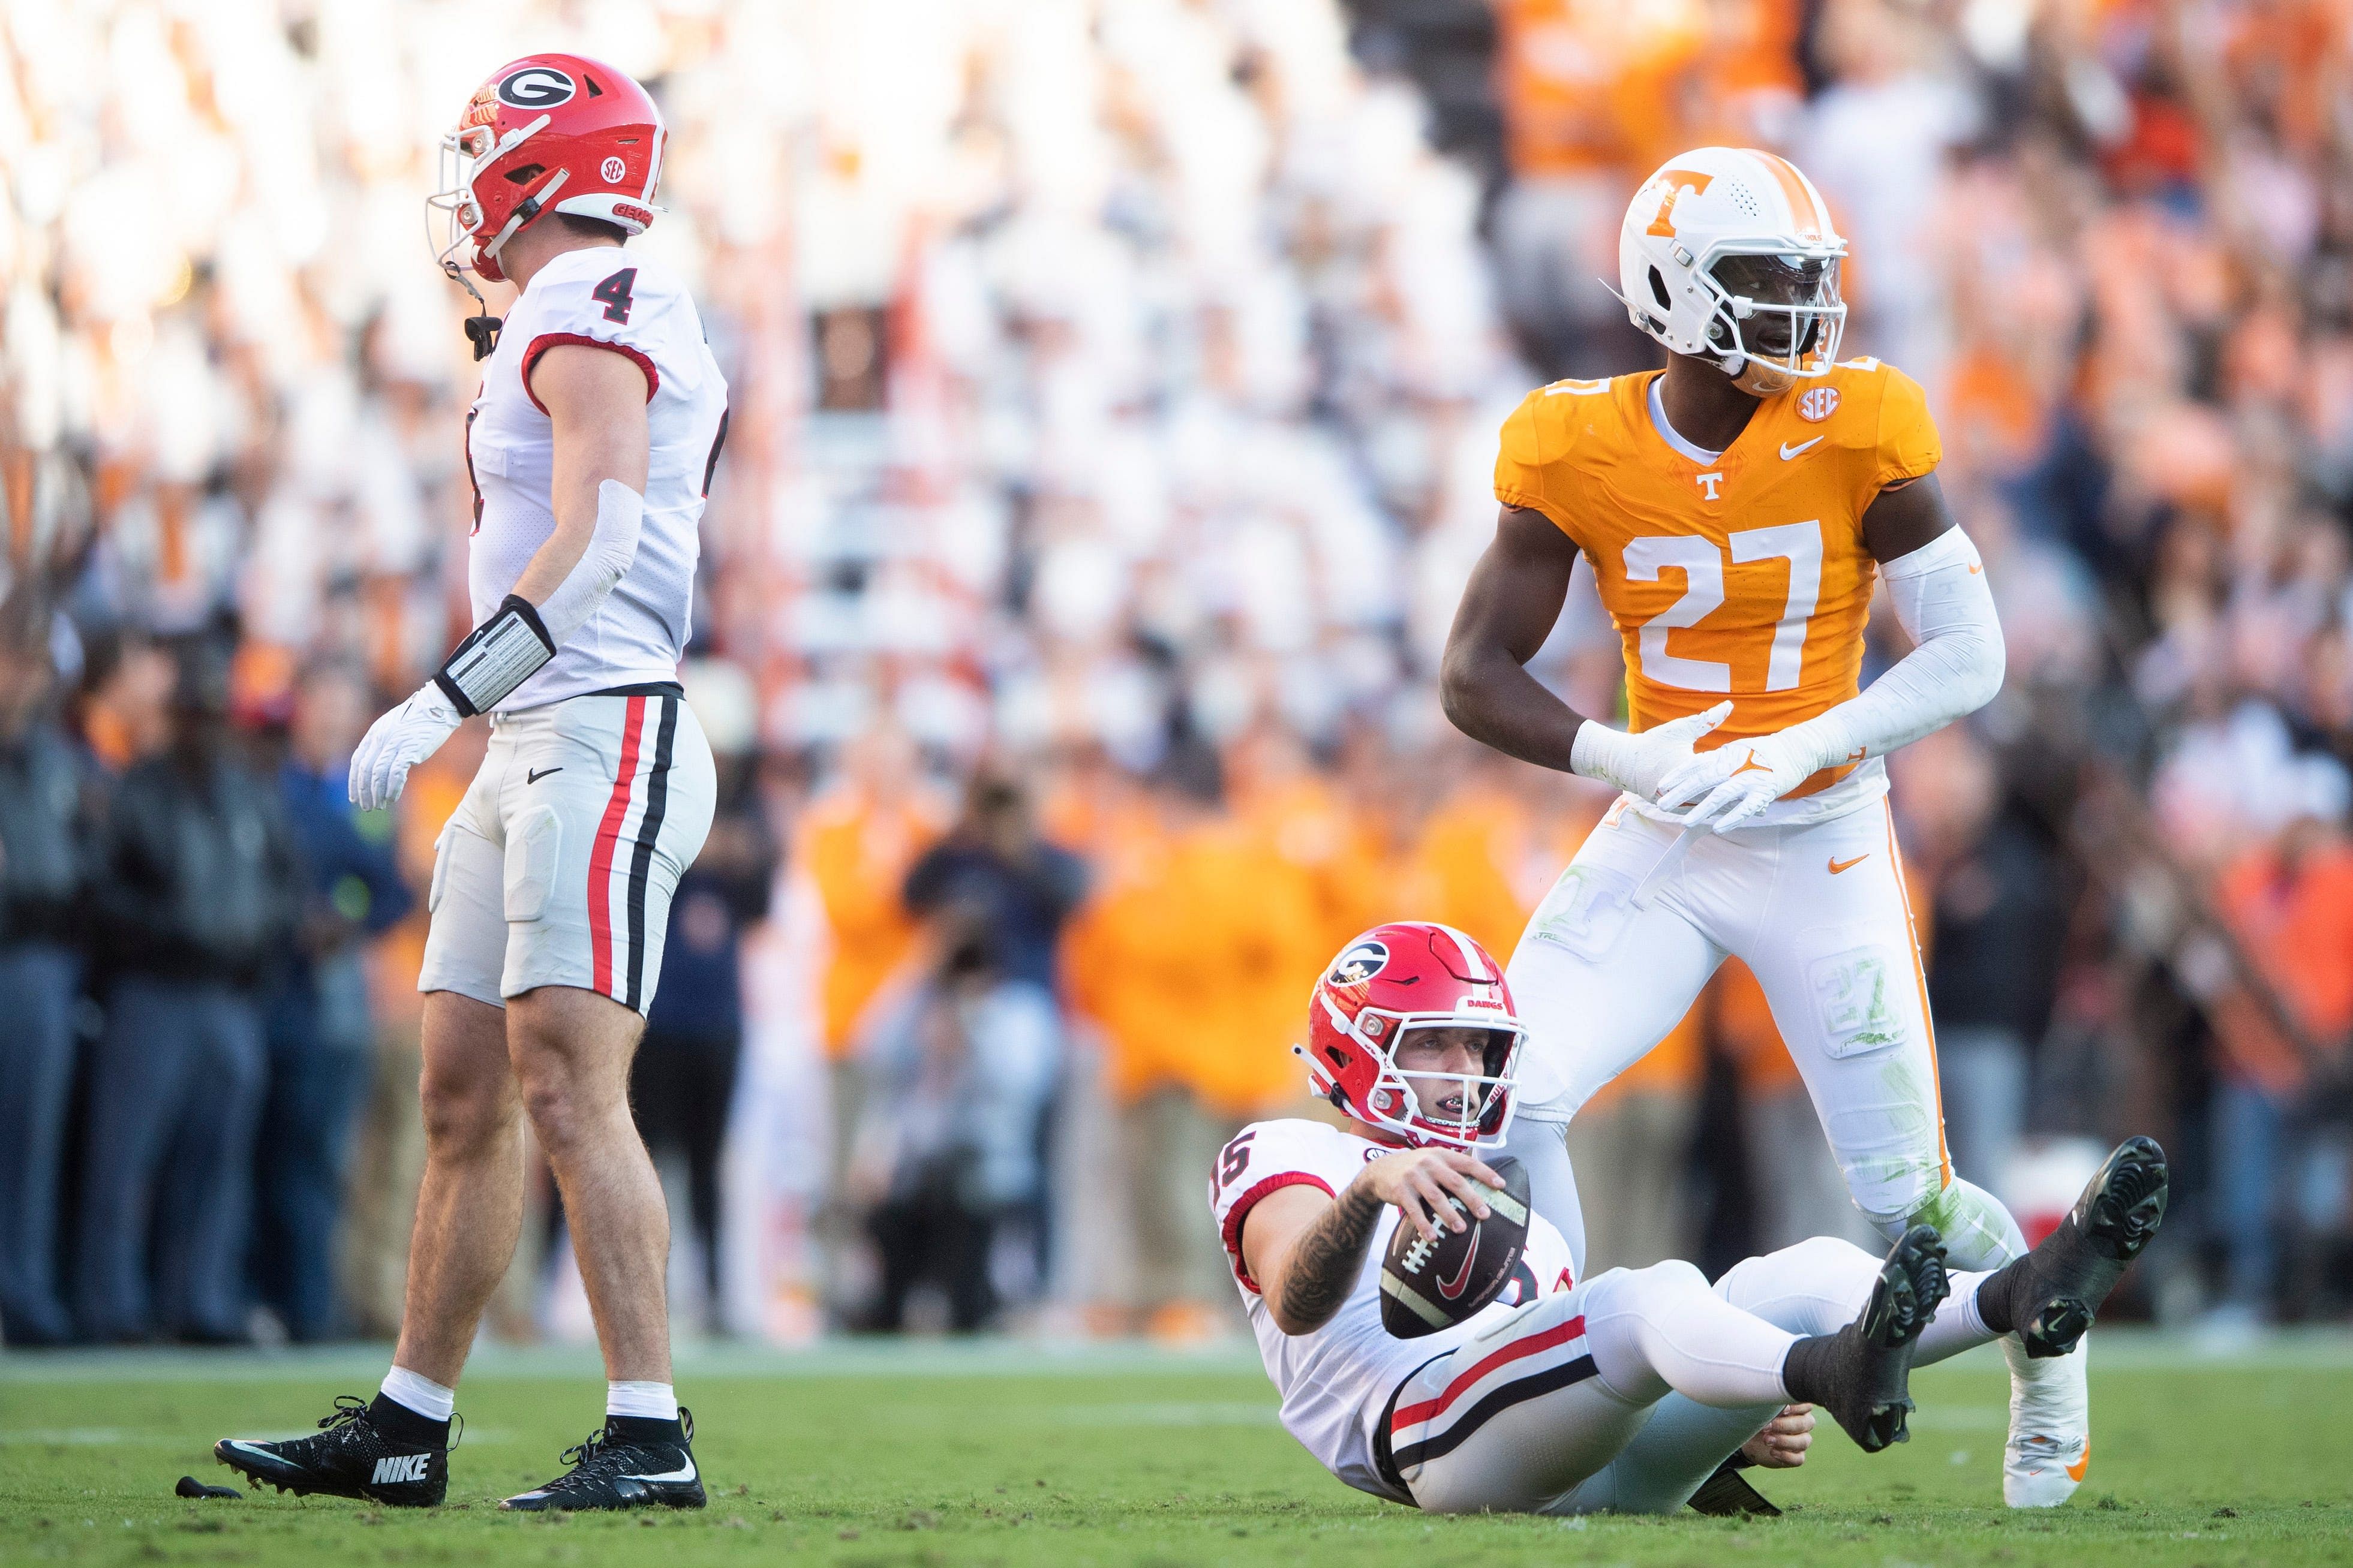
<point>1746,577</point>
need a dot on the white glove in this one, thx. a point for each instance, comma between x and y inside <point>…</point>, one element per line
<point>1741,778</point>
<point>1638,764</point>
<point>397,742</point>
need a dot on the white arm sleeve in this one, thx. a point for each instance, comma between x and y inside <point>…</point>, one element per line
<point>620,517</point>
<point>1954,666</point>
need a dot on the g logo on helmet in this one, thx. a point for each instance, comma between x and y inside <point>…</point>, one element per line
<point>1358,963</point>
<point>536,87</point>
<point>612,169</point>
<point>1818,405</point>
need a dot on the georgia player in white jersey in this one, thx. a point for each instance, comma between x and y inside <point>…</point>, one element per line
<point>590,446</point>
<point>1625,1393</point>
<point>1734,511</point>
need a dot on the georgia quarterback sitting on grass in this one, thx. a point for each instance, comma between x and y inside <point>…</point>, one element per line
<point>1628,1392</point>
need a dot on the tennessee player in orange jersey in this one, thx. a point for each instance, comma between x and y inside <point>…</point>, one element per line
<point>1737,510</point>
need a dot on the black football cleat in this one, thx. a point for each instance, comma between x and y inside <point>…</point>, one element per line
<point>1861,1374</point>
<point>2055,1290</point>
<point>1727,1494</point>
<point>355,1454</point>
<point>627,1463</point>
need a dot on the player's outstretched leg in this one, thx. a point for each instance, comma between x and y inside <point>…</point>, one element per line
<point>632,1461</point>
<point>1862,1374</point>
<point>375,1451</point>
<point>2049,1296</point>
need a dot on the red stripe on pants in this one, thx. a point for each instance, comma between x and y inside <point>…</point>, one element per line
<point>1559,1334</point>
<point>600,861</point>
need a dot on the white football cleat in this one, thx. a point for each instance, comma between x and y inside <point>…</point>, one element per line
<point>2049,1447</point>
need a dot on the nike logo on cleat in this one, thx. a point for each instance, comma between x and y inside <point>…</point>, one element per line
<point>1789,451</point>
<point>399,1467</point>
<point>533,777</point>
<point>675,1478</point>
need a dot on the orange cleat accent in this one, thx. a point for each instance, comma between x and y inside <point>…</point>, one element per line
<point>2075,1471</point>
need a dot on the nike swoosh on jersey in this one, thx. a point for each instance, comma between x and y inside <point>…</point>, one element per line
<point>530,777</point>
<point>1789,451</point>
<point>1838,865</point>
<point>679,1476</point>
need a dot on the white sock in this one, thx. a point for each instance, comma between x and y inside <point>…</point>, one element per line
<point>413,1391</point>
<point>1958,1325</point>
<point>655,1401</point>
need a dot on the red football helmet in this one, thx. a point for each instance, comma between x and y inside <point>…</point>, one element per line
<point>1390,981</point>
<point>546,133</point>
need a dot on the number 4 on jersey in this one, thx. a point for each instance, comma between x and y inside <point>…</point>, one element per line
<point>614,294</point>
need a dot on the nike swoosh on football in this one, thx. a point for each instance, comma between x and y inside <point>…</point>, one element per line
<point>1789,451</point>
<point>679,1476</point>
<point>1451,1289</point>
<point>530,778</point>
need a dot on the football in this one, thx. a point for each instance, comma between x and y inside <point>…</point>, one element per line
<point>1428,1285</point>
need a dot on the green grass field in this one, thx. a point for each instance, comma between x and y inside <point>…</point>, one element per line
<point>1000,1454</point>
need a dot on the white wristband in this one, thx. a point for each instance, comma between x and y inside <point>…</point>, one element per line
<point>1601,753</point>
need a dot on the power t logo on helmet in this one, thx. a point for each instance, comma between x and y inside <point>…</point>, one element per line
<point>545,133</point>
<point>1729,254</point>
<point>1395,981</point>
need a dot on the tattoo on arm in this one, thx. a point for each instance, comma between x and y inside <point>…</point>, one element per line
<point>1327,1257</point>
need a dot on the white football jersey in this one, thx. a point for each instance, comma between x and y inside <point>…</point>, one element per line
<point>635,306</point>
<point>1336,1382</point>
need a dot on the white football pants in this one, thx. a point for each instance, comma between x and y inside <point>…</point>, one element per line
<point>1818,911</point>
<point>1625,1394</point>
<point>558,866</point>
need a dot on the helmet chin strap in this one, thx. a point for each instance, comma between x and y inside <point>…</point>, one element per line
<point>1759,380</point>
<point>481,326</point>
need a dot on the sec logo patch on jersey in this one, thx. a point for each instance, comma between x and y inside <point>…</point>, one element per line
<point>1819,404</point>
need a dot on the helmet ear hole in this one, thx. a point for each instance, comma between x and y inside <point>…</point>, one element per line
<point>1659,290</point>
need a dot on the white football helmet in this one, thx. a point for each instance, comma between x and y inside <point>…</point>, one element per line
<point>1729,254</point>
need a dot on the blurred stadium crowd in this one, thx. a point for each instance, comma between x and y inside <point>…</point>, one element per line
<point>1115,385</point>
